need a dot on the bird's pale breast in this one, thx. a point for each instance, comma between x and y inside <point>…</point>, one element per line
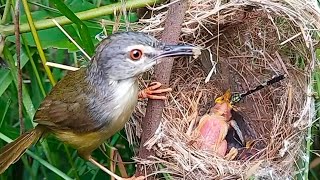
<point>113,112</point>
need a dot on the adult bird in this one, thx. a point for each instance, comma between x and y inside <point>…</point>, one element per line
<point>88,106</point>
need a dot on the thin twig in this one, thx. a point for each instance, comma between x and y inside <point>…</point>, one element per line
<point>18,48</point>
<point>112,164</point>
<point>71,39</point>
<point>61,66</point>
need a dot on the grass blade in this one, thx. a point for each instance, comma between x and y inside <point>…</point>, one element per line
<point>37,41</point>
<point>5,81</point>
<point>33,66</point>
<point>82,28</point>
<point>13,69</point>
<point>84,15</point>
<point>5,112</point>
<point>40,160</point>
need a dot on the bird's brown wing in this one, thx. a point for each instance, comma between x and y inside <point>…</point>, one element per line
<point>65,108</point>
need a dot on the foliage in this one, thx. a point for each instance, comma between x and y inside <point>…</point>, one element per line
<point>315,147</point>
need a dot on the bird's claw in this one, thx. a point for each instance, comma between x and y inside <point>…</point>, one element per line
<point>150,92</point>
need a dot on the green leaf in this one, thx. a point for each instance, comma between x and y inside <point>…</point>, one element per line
<point>52,38</point>
<point>36,15</point>
<point>39,159</point>
<point>5,112</point>
<point>79,5</point>
<point>133,17</point>
<point>24,57</point>
<point>166,176</point>
<point>82,28</point>
<point>114,139</point>
<point>25,95</point>
<point>5,80</point>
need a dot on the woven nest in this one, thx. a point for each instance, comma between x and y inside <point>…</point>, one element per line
<point>245,43</point>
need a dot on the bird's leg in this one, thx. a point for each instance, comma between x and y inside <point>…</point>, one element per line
<point>235,126</point>
<point>150,92</point>
<point>111,173</point>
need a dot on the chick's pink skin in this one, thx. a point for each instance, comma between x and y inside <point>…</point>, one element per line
<point>213,128</point>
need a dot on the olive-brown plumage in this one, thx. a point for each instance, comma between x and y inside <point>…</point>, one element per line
<point>88,106</point>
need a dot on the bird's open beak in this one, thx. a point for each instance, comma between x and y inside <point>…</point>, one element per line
<point>179,50</point>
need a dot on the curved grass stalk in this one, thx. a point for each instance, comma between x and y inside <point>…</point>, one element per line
<point>37,41</point>
<point>6,12</point>
<point>33,66</point>
<point>40,160</point>
<point>28,105</point>
<point>84,15</point>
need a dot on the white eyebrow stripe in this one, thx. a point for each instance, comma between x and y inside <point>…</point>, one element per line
<point>144,49</point>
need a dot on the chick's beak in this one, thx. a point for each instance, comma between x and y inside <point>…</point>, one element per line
<point>178,50</point>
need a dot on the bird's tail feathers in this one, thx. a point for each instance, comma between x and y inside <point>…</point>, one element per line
<point>12,152</point>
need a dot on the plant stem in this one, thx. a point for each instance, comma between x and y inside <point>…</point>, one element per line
<point>73,167</point>
<point>41,161</point>
<point>27,103</point>
<point>33,66</point>
<point>85,15</point>
<point>37,41</point>
<point>18,53</point>
<point>6,12</point>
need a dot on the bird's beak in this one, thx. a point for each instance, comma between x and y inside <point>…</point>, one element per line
<point>179,50</point>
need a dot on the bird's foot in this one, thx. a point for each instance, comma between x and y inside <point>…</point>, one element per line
<point>152,90</point>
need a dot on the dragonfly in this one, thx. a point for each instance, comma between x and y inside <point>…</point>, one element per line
<point>237,97</point>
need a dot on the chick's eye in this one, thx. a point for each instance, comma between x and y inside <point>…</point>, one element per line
<point>135,54</point>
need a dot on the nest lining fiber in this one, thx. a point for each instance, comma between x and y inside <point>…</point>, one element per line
<point>244,44</point>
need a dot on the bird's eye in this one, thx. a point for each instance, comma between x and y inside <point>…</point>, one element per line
<point>135,54</point>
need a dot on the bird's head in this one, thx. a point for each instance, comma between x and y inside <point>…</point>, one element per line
<point>223,105</point>
<point>128,54</point>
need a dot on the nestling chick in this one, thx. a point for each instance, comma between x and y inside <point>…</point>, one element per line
<point>213,128</point>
